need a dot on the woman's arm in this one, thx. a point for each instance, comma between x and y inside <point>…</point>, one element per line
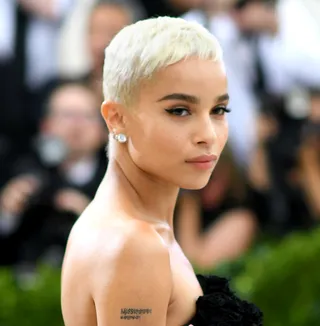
<point>228,238</point>
<point>138,291</point>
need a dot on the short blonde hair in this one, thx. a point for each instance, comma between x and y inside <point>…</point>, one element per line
<point>141,49</point>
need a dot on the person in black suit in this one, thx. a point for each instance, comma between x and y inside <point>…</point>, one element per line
<point>52,185</point>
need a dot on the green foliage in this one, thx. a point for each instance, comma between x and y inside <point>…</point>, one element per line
<point>282,279</point>
<point>38,306</point>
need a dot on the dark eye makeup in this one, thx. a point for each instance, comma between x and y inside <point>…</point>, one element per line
<point>183,111</point>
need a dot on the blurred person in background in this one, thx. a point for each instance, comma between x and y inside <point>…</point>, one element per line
<point>107,18</point>
<point>287,63</point>
<point>28,61</point>
<point>51,186</point>
<point>216,224</point>
<point>296,154</point>
<point>74,53</point>
<point>283,174</point>
<point>75,58</point>
<point>309,158</point>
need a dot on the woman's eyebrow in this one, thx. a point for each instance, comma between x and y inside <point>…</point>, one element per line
<point>191,98</point>
<point>181,97</point>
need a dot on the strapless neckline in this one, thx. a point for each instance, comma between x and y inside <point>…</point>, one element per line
<point>219,306</point>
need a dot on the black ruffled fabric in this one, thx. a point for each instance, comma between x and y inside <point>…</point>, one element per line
<point>219,306</point>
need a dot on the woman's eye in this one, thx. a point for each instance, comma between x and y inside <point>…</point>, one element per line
<point>220,110</point>
<point>179,112</point>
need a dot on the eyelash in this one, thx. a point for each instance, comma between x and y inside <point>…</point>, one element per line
<point>173,110</point>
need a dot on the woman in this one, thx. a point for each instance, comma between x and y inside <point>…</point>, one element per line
<point>216,223</point>
<point>165,102</point>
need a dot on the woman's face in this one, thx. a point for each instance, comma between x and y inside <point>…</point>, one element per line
<point>180,115</point>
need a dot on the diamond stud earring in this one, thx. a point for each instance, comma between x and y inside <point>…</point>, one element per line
<point>121,138</point>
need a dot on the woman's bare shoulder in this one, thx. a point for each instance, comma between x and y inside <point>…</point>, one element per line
<point>124,255</point>
<point>112,239</point>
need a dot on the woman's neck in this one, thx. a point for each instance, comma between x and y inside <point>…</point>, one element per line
<point>138,193</point>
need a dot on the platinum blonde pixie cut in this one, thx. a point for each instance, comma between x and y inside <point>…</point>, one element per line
<point>139,50</point>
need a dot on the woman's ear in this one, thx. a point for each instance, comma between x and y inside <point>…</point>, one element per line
<point>112,114</point>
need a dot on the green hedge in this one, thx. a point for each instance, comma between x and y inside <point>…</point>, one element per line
<point>38,306</point>
<point>283,279</point>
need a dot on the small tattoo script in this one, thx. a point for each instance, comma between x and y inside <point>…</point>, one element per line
<point>134,313</point>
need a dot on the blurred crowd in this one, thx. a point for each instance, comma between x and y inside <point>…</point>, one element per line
<point>52,137</point>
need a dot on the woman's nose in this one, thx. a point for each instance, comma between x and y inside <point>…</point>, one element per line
<point>206,132</point>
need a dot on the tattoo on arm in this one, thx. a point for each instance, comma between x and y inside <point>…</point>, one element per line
<point>134,313</point>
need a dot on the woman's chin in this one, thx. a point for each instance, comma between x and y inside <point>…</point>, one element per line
<point>197,184</point>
